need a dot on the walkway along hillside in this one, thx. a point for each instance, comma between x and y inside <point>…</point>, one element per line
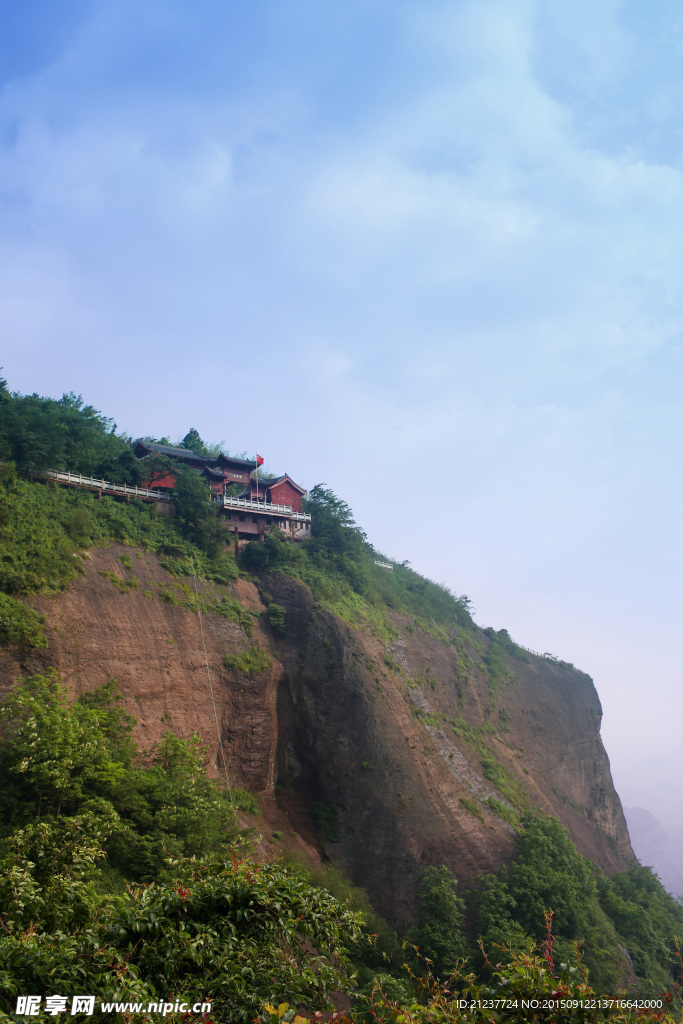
<point>248,517</point>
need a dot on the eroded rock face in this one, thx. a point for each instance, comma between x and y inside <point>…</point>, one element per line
<point>377,752</point>
<point>366,740</point>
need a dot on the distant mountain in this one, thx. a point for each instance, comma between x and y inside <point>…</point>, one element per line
<point>655,848</point>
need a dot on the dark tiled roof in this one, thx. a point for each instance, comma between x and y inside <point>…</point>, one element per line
<point>185,453</point>
<point>247,463</point>
<point>277,480</point>
<point>167,449</point>
<point>267,481</point>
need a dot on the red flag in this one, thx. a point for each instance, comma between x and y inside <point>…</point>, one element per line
<point>259,460</point>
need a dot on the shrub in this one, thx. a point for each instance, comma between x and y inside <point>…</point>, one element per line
<point>251,662</point>
<point>20,626</point>
<point>244,801</point>
<point>123,586</point>
<point>277,616</point>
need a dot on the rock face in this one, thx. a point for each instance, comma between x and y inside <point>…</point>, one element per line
<point>381,755</point>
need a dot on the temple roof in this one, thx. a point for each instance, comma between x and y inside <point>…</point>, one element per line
<point>188,455</point>
<point>279,480</point>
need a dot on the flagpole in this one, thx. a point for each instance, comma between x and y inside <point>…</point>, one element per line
<point>257,477</point>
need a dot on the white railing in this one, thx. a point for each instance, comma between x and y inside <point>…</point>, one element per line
<point>78,480</point>
<point>385,565</point>
<point>265,506</point>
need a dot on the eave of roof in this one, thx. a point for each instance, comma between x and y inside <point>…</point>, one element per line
<point>279,480</point>
<point>187,453</point>
<point>230,461</point>
<point>167,449</point>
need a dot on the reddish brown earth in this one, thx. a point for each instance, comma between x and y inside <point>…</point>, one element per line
<point>329,735</point>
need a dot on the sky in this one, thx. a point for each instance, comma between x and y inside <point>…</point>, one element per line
<point>426,252</point>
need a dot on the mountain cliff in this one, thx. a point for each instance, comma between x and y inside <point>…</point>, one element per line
<point>380,749</point>
<point>368,729</point>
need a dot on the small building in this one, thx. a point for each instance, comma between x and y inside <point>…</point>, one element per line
<point>280,490</point>
<point>267,504</point>
<point>260,505</point>
<point>220,471</point>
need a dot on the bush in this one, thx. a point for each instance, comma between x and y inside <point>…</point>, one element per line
<point>245,801</point>
<point>251,663</point>
<point>20,626</point>
<point>277,616</point>
<point>221,929</point>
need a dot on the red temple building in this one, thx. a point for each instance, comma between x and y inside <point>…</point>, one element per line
<point>249,512</point>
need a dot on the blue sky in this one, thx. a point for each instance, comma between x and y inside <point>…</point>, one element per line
<point>429,253</point>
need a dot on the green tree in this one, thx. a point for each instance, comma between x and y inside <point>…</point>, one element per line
<point>194,442</point>
<point>439,933</point>
<point>43,433</point>
<point>197,516</point>
<point>156,467</point>
<point>52,756</point>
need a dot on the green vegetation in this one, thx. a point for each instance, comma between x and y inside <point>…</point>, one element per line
<point>472,808</point>
<point>123,586</point>
<point>233,611</point>
<point>376,952</point>
<point>629,910</point>
<point>503,811</point>
<point>219,929</point>
<point>196,515</point>
<point>20,626</point>
<point>43,527</point>
<point>439,931</point>
<point>59,759</point>
<point>528,985</point>
<point>505,783</point>
<point>277,617</point>
<point>244,801</point>
<point>41,433</point>
<point>251,662</point>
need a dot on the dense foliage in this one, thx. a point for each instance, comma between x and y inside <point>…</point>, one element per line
<point>439,929</point>
<point>76,792</point>
<point>59,759</point>
<point>626,923</point>
<point>220,929</point>
<point>45,433</point>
